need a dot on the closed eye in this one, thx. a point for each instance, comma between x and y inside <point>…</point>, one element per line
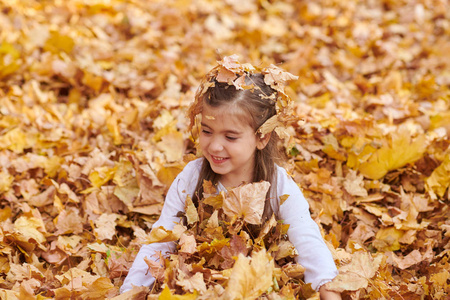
<point>206,131</point>
<point>231,138</point>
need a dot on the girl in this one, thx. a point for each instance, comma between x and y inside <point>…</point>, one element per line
<point>238,107</point>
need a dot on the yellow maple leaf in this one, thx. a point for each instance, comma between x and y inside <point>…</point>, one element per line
<point>58,42</point>
<point>172,145</point>
<point>5,181</point>
<point>30,228</point>
<point>246,201</point>
<point>387,239</point>
<point>191,211</point>
<point>398,152</point>
<point>101,176</point>
<point>216,201</point>
<point>212,247</point>
<point>167,174</point>
<point>285,249</point>
<point>439,180</point>
<point>9,59</point>
<point>166,294</point>
<point>250,277</point>
<point>113,126</point>
<point>161,235</point>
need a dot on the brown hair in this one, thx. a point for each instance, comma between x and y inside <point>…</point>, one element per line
<point>258,103</point>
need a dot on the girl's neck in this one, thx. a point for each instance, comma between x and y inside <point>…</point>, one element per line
<point>232,183</point>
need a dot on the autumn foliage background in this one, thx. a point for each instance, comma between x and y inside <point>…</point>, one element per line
<point>93,129</point>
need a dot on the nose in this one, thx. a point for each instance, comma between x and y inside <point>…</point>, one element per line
<point>215,145</point>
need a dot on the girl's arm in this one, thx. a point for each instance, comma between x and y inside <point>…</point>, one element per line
<point>185,182</point>
<point>304,233</point>
<point>328,295</point>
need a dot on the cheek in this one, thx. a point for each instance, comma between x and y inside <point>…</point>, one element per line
<point>202,141</point>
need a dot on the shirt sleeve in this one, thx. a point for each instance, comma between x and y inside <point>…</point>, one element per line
<point>183,185</point>
<point>304,234</point>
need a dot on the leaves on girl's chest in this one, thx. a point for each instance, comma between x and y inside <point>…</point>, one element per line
<point>247,201</point>
<point>226,251</point>
<point>191,212</point>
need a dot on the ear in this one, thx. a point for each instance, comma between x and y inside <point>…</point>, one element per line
<point>261,143</point>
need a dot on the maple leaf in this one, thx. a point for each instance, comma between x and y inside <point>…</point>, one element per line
<point>438,182</point>
<point>357,274</point>
<point>188,244</point>
<point>250,277</point>
<point>99,289</point>
<point>136,293</point>
<point>106,226</point>
<point>161,235</point>
<point>354,184</point>
<point>191,211</point>
<point>275,76</point>
<point>172,145</point>
<point>166,294</point>
<point>285,249</point>
<point>69,221</point>
<point>191,283</point>
<point>400,150</point>
<point>5,181</point>
<point>247,201</point>
<point>404,262</point>
<point>156,267</point>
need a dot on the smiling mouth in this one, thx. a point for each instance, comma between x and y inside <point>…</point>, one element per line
<point>217,159</point>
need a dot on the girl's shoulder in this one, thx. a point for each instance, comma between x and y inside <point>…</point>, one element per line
<point>285,181</point>
<point>192,168</point>
<point>281,172</point>
<point>195,164</point>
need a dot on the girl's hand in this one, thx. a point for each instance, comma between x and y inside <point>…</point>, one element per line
<point>328,295</point>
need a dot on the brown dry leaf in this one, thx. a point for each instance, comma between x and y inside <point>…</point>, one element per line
<point>100,289</point>
<point>172,145</point>
<point>156,266</point>
<point>69,221</point>
<point>354,184</point>
<point>191,283</point>
<point>275,76</point>
<point>105,226</point>
<point>246,201</point>
<point>357,274</point>
<point>405,262</point>
<point>286,249</point>
<point>188,244</point>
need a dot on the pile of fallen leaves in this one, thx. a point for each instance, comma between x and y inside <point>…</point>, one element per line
<point>219,254</point>
<point>93,129</point>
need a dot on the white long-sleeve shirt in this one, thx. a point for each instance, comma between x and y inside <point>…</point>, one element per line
<point>303,232</point>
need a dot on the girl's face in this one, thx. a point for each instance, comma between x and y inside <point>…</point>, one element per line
<point>229,143</point>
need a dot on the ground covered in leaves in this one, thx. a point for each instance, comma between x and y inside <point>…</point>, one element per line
<point>93,100</point>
